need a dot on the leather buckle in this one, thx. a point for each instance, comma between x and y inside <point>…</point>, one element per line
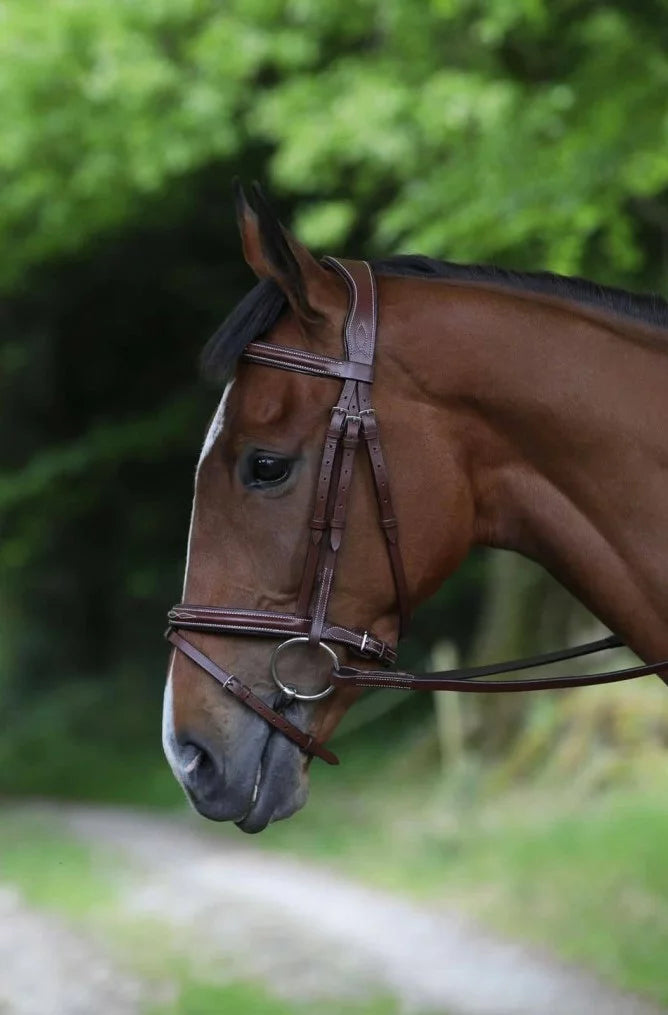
<point>337,421</point>
<point>369,424</point>
<point>369,647</point>
<point>352,431</point>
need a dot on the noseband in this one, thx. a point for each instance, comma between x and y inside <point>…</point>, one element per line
<point>352,422</point>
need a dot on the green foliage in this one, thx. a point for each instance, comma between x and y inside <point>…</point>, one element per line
<point>521,129</point>
<point>201,998</point>
<point>52,471</point>
<point>91,740</point>
<point>492,130</point>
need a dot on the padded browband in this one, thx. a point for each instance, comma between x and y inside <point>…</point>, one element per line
<point>304,362</point>
<point>223,620</point>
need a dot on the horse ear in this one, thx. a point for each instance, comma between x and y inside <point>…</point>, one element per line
<point>273,252</point>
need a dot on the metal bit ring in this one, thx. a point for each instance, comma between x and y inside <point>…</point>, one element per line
<point>292,692</point>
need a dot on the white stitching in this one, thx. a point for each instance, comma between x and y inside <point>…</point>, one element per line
<point>333,368</point>
<point>324,590</point>
<point>221,627</point>
<point>265,349</point>
<point>352,310</point>
<point>260,614</point>
<point>374,309</point>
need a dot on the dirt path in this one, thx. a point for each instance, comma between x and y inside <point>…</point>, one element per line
<point>309,933</point>
<point>46,968</point>
<point>306,932</point>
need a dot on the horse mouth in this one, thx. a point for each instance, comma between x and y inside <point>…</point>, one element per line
<point>260,808</point>
<point>278,791</point>
<point>254,795</point>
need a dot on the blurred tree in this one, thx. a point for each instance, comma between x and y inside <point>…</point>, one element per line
<point>524,611</point>
<point>521,129</point>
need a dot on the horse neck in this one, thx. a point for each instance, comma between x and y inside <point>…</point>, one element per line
<point>559,415</point>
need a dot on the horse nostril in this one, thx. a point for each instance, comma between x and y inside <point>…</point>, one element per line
<point>199,768</point>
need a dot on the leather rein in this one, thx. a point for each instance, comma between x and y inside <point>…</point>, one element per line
<point>353,421</point>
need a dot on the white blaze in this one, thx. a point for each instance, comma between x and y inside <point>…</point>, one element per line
<point>213,433</point>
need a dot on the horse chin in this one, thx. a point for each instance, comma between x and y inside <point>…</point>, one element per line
<point>280,788</point>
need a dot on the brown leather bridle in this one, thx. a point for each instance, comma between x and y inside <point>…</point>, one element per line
<point>352,420</point>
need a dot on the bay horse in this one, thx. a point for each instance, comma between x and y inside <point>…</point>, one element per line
<point>522,411</point>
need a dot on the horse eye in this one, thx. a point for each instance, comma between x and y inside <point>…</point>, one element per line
<point>266,469</point>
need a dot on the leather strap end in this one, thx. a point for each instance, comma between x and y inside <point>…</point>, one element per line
<point>320,751</point>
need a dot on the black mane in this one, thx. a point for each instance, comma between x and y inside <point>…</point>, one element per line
<point>260,309</point>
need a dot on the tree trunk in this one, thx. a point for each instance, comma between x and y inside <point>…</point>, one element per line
<point>525,611</point>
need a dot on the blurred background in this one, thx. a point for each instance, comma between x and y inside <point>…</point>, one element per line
<point>529,134</point>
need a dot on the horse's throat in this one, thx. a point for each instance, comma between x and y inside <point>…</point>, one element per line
<point>595,522</point>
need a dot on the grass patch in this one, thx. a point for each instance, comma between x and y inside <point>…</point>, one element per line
<point>591,885</point>
<point>202,998</point>
<point>52,869</point>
